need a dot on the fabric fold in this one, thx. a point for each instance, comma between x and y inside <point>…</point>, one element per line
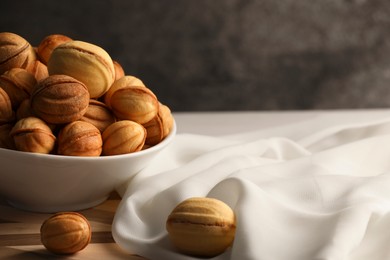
<point>324,196</point>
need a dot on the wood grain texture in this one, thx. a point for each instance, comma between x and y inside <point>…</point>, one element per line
<point>20,234</point>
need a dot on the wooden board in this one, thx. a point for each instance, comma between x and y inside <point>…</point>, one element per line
<point>20,234</point>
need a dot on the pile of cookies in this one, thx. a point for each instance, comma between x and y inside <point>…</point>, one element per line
<point>69,97</point>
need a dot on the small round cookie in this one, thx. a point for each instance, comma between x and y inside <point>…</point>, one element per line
<point>60,99</point>
<point>15,52</point>
<point>48,44</point>
<point>85,62</point>
<point>99,115</point>
<point>32,134</point>
<point>123,137</point>
<point>7,115</point>
<point>79,138</point>
<point>130,99</point>
<point>19,84</point>
<point>202,227</point>
<point>66,233</point>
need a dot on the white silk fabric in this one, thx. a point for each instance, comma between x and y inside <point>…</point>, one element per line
<point>316,190</point>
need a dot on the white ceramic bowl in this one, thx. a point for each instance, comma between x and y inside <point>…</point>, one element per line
<point>53,183</point>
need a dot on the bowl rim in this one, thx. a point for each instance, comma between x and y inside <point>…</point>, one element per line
<point>158,146</point>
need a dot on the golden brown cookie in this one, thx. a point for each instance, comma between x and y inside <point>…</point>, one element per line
<point>85,62</point>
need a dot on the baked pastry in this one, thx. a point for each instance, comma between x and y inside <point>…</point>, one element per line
<point>119,72</point>
<point>65,233</point>
<point>15,52</point>
<point>85,62</point>
<point>19,84</point>
<point>130,99</point>
<point>48,44</point>
<point>80,138</point>
<point>201,226</point>
<point>39,70</point>
<point>123,137</point>
<point>7,115</point>
<point>98,114</point>
<point>60,99</point>
<point>32,134</point>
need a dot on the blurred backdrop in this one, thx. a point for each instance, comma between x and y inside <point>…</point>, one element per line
<point>199,55</point>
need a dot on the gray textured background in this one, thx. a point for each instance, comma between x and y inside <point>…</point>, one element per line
<point>231,54</point>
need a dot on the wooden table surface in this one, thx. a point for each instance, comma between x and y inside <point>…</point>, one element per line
<point>20,236</point>
<point>20,230</point>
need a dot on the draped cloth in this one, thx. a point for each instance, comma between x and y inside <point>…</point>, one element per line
<point>312,190</point>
